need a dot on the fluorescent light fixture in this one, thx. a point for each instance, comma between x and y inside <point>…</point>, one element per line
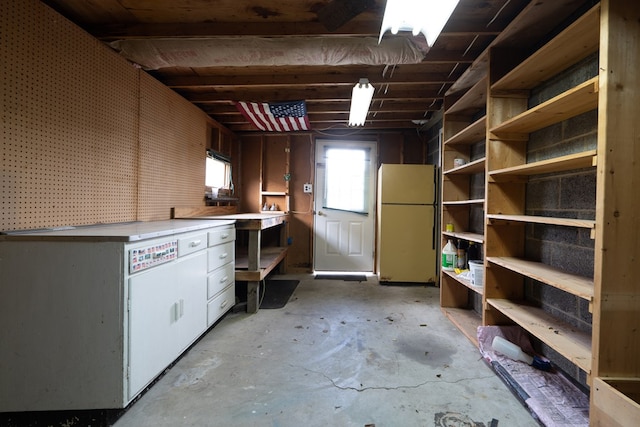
<point>418,16</point>
<point>360,100</point>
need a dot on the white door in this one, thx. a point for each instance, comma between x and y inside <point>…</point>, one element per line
<point>344,206</point>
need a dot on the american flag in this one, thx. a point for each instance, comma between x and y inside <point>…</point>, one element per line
<point>276,116</point>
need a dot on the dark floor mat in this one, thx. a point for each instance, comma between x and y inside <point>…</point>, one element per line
<point>277,293</point>
<point>345,277</point>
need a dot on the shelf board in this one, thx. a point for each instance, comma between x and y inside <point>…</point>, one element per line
<point>477,289</point>
<point>269,259</point>
<point>563,338</point>
<point>463,202</point>
<point>464,235</point>
<point>569,222</point>
<point>571,283</point>
<point>473,99</point>
<point>473,133</point>
<point>575,101</point>
<point>470,168</point>
<point>274,193</point>
<point>576,42</point>
<point>466,320</point>
<point>558,164</point>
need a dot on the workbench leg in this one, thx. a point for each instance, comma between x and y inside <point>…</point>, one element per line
<point>255,236</point>
<point>253,297</point>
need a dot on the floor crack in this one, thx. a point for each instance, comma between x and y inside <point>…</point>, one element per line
<point>400,387</point>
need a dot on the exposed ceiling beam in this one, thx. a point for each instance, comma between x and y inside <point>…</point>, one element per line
<point>335,107</point>
<point>337,94</point>
<point>264,29</point>
<point>292,80</point>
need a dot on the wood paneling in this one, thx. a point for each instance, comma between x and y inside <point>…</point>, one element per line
<point>69,124</point>
<point>87,138</point>
<point>173,137</point>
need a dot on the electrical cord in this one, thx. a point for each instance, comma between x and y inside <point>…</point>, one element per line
<point>263,285</point>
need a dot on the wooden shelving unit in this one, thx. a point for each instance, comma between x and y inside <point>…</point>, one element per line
<point>274,174</point>
<point>610,29</point>
<point>465,127</point>
<point>512,120</point>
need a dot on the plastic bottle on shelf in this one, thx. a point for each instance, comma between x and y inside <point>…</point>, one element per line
<point>461,255</point>
<point>472,253</point>
<point>449,256</point>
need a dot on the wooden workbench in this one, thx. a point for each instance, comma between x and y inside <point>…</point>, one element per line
<point>254,262</point>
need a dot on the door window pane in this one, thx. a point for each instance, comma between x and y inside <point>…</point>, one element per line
<point>346,179</point>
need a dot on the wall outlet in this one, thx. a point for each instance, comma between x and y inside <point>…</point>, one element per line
<point>307,188</point>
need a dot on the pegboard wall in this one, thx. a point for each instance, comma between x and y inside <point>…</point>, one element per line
<point>173,135</point>
<point>78,131</point>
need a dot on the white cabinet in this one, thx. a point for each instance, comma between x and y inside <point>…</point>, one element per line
<point>166,314</point>
<point>92,315</point>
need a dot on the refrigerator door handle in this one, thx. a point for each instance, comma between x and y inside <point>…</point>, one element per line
<point>433,236</point>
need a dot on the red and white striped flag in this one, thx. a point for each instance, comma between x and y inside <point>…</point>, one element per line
<point>276,116</point>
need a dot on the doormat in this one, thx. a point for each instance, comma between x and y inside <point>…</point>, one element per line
<point>345,277</point>
<point>277,293</point>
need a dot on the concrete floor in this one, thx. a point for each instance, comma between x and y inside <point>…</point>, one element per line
<point>338,354</point>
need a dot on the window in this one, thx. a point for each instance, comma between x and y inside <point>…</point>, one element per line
<point>347,172</point>
<point>218,172</point>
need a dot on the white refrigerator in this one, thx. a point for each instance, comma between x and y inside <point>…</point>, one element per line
<point>406,227</point>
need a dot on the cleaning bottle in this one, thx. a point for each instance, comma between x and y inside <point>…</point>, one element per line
<point>449,256</point>
<point>514,352</point>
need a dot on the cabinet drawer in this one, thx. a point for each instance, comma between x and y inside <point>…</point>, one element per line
<point>192,243</point>
<point>220,279</point>
<point>220,255</point>
<point>222,235</point>
<point>221,304</point>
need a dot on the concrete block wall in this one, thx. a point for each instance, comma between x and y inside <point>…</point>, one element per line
<point>568,194</point>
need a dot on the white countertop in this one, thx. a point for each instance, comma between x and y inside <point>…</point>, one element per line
<point>119,232</point>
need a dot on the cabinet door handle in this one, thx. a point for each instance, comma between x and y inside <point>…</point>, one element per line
<point>224,303</point>
<point>175,312</point>
<point>181,307</point>
<point>224,236</point>
<point>224,279</point>
<point>195,243</point>
<point>224,255</point>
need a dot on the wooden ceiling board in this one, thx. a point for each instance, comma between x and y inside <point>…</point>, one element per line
<point>473,26</point>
